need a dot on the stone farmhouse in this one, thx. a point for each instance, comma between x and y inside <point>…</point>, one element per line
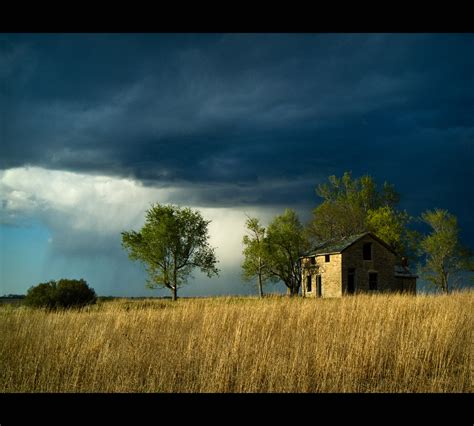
<point>356,264</point>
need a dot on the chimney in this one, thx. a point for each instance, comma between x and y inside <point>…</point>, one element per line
<point>404,262</point>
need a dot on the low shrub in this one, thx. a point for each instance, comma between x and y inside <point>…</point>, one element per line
<point>61,294</point>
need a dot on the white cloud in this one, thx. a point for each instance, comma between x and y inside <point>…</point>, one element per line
<point>80,202</point>
<point>87,213</point>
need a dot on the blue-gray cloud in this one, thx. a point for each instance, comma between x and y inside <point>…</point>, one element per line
<point>247,119</point>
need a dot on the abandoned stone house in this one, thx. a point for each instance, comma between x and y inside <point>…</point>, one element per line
<point>359,263</point>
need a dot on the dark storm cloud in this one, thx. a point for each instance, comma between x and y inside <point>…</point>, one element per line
<point>246,118</point>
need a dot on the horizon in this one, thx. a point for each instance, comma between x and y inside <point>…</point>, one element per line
<point>96,127</point>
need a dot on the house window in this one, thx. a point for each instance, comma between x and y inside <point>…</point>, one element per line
<point>373,280</point>
<point>308,283</point>
<point>318,285</point>
<point>312,261</point>
<point>351,281</point>
<point>327,258</point>
<point>367,251</point>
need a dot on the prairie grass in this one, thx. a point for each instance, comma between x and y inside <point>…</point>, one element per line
<point>366,343</point>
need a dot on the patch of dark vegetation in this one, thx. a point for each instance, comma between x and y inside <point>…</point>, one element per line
<point>62,294</point>
<point>12,299</point>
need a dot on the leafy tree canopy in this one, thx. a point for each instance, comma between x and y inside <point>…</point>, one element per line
<point>257,258</point>
<point>172,242</point>
<point>286,242</point>
<point>355,205</point>
<point>444,256</point>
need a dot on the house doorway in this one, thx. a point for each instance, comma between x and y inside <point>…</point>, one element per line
<point>318,286</point>
<point>351,281</point>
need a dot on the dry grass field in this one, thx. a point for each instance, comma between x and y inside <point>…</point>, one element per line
<point>382,343</point>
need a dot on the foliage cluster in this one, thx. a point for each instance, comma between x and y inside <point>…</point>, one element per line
<point>65,293</point>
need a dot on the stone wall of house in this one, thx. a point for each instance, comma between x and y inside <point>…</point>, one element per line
<point>383,262</point>
<point>334,274</point>
<point>330,276</point>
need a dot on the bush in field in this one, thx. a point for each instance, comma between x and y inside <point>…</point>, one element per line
<point>42,295</point>
<point>61,294</point>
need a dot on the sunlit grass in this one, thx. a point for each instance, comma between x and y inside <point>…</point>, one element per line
<point>383,343</point>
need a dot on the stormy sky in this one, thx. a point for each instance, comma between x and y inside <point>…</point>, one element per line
<point>96,127</point>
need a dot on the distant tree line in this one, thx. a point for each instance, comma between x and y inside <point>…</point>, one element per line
<point>13,296</point>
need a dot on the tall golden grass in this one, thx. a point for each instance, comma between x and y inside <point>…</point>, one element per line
<point>379,343</point>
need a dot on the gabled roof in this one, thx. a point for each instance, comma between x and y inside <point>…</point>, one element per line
<point>338,246</point>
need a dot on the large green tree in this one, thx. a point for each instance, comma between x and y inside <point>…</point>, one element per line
<point>172,242</point>
<point>355,205</point>
<point>286,241</point>
<point>256,263</point>
<point>444,256</point>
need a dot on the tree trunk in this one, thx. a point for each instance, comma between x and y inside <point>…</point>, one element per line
<point>443,280</point>
<point>260,286</point>
<point>293,291</point>
<point>175,282</point>
<point>175,293</point>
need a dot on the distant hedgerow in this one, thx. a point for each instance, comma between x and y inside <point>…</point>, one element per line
<point>61,294</point>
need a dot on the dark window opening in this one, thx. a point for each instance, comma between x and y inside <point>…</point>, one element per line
<point>308,283</point>
<point>313,261</point>
<point>373,281</point>
<point>318,285</point>
<point>351,281</point>
<point>327,258</point>
<point>367,251</point>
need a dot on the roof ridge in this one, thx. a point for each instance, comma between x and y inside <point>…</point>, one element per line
<point>337,245</point>
<point>335,239</point>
